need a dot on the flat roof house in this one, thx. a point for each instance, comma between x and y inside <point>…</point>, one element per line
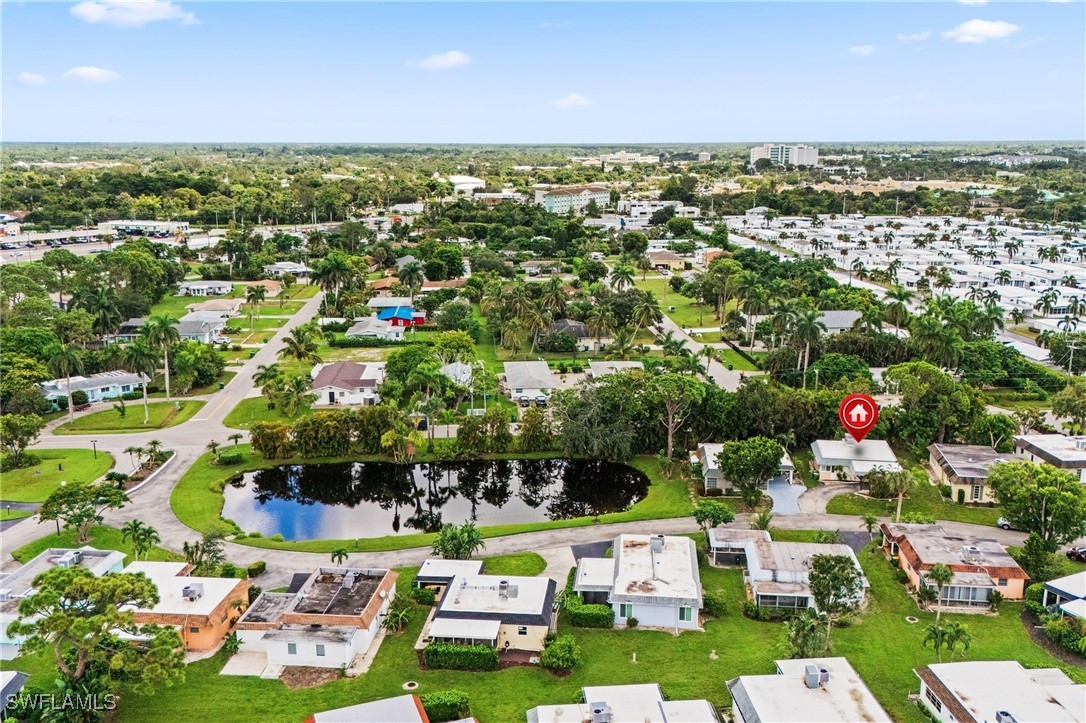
<point>384,302</point>
<point>203,609</point>
<point>1066,595</point>
<point>528,378</point>
<point>401,709</point>
<point>347,383</point>
<point>1067,453</point>
<point>779,573</point>
<point>437,574</point>
<point>16,585</point>
<point>506,612</point>
<point>334,616</point>
<point>286,267</point>
<point>826,690</point>
<point>374,328</point>
<point>846,459</point>
<point>666,259</point>
<point>205,288</point>
<point>706,455</point>
<point>980,565</point>
<point>651,578</point>
<point>642,702</point>
<point>728,545</point>
<point>839,320</point>
<point>965,468</point>
<point>105,385</point>
<point>1000,691</point>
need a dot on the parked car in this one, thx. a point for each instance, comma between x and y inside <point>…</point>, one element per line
<point>524,401</point>
<point>541,401</point>
<point>8,246</point>
<point>1078,554</point>
<point>1004,523</point>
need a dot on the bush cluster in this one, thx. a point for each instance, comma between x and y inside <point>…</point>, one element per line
<point>353,342</point>
<point>754,612</point>
<point>231,457</point>
<point>583,615</point>
<point>424,595</point>
<point>257,568</point>
<point>460,657</point>
<point>561,654</point>
<point>715,603</point>
<point>445,705</point>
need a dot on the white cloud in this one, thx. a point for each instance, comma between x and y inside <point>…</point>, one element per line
<point>131,13</point>
<point>26,78</point>
<point>571,100</point>
<point>861,50</point>
<point>444,61</point>
<point>89,74</point>
<point>978,31</point>
<point>914,37</point>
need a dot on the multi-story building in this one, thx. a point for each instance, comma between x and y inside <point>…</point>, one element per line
<point>785,155</point>
<point>572,198</point>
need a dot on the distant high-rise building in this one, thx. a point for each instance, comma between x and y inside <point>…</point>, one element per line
<point>784,155</point>
<point>705,157</point>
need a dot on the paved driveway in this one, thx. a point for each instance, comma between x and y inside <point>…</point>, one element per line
<point>785,496</point>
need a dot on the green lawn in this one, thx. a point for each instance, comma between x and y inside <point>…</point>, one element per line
<point>688,312</point>
<point>260,323</point>
<point>197,502</point>
<point>255,409</point>
<point>175,306</point>
<point>737,362</point>
<point>882,646</point>
<point>527,564</point>
<point>160,381</point>
<point>109,421</point>
<point>1004,398</point>
<point>101,537</point>
<point>272,308</point>
<point>34,484</point>
<point>924,499</point>
<point>6,514</point>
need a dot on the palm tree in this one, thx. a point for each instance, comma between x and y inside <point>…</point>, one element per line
<point>806,330</point>
<point>647,312</point>
<point>621,346</point>
<point>64,361</point>
<point>161,334</point>
<point>213,447</point>
<point>102,304</point>
<point>622,276</point>
<point>144,537</point>
<point>301,345</point>
<point>140,358</point>
<point>710,355</point>
<point>253,296</point>
<point>940,575</point>
<point>957,634</point>
<point>267,373</point>
<point>412,277</point>
<point>900,483</point>
<point>644,265</point>
<point>601,322</point>
<point>870,522</point>
<point>294,394</point>
<point>553,297</point>
<point>133,452</point>
<point>236,437</point>
<point>339,555</point>
<point>536,320</point>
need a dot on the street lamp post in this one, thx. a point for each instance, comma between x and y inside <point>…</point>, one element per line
<point>94,444</point>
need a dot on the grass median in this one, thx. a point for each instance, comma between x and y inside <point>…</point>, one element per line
<point>109,421</point>
<point>34,484</point>
<point>197,501</point>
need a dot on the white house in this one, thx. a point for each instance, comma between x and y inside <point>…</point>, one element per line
<point>999,691</point>
<point>706,455</point>
<point>205,288</point>
<point>333,617</point>
<point>385,302</point>
<point>401,709</point>
<point>1066,595</point>
<point>619,703</point>
<point>347,383</point>
<point>847,459</point>
<point>1067,453</point>
<point>101,386</point>
<point>528,379</point>
<point>779,573</point>
<point>374,328</point>
<point>16,585</point>
<point>651,578</point>
<point>838,320</point>
<point>286,267</point>
<point>827,690</point>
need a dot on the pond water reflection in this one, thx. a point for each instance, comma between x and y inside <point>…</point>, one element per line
<point>373,499</point>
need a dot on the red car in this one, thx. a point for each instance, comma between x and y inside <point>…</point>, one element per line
<point>1078,554</point>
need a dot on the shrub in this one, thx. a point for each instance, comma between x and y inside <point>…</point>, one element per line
<point>8,463</point>
<point>424,595</point>
<point>995,600</point>
<point>631,622</point>
<point>131,396</point>
<point>582,615</point>
<point>257,568</point>
<point>256,534</point>
<point>460,657</point>
<point>254,593</point>
<point>961,497</point>
<point>276,538</point>
<point>353,342</point>
<point>445,705</point>
<point>945,491</point>
<point>231,457</point>
<point>754,612</point>
<point>1035,592</point>
<point>715,603</point>
<point>1035,607</point>
<point>228,569</point>
<point>562,654</point>
<point>901,576</point>
<point>79,397</point>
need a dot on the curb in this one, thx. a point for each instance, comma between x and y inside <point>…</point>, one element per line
<point>164,465</point>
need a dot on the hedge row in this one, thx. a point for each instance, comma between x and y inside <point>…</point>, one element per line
<point>352,342</point>
<point>582,615</point>
<point>460,657</point>
<point>445,705</point>
<point>257,568</point>
<point>424,595</point>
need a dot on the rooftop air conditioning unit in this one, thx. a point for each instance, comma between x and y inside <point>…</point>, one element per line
<point>1005,716</point>
<point>815,677</point>
<point>193,592</point>
<point>5,595</point>
<point>348,581</point>
<point>656,543</point>
<point>601,713</point>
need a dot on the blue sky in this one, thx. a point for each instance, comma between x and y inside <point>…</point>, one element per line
<point>543,73</point>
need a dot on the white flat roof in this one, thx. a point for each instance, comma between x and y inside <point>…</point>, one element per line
<point>402,709</point>
<point>642,573</point>
<point>862,457</point>
<point>785,698</point>
<point>165,578</point>
<point>457,628</point>
<point>984,687</point>
<point>1075,608</point>
<point>1060,448</point>
<point>595,572</point>
<point>479,593</point>
<point>450,568</point>
<point>1073,585</point>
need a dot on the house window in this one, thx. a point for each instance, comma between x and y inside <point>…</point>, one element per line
<point>320,651</point>
<point>977,489</point>
<point>625,610</point>
<point>1001,581</point>
<point>935,702</point>
<point>522,630</point>
<point>685,614</point>
<point>194,630</point>
<point>519,390</point>
<point>292,648</point>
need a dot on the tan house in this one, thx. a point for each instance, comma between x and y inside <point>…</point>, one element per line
<point>965,468</point>
<point>383,286</point>
<point>271,288</point>
<point>203,609</point>
<point>667,259</point>
<point>223,306</point>
<point>980,565</point>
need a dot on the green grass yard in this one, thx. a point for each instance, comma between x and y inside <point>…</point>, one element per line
<point>251,410</point>
<point>925,499</point>
<point>34,484</point>
<point>109,421</point>
<point>197,502</point>
<point>688,313</point>
<point>527,564</point>
<point>101,537</point>
<point>882,646</point>
<point>160,382</point>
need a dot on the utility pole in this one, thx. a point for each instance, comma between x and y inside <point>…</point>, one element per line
<point>1072,345</point>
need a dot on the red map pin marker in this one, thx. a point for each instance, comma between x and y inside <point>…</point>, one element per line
<point>858,414</point>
